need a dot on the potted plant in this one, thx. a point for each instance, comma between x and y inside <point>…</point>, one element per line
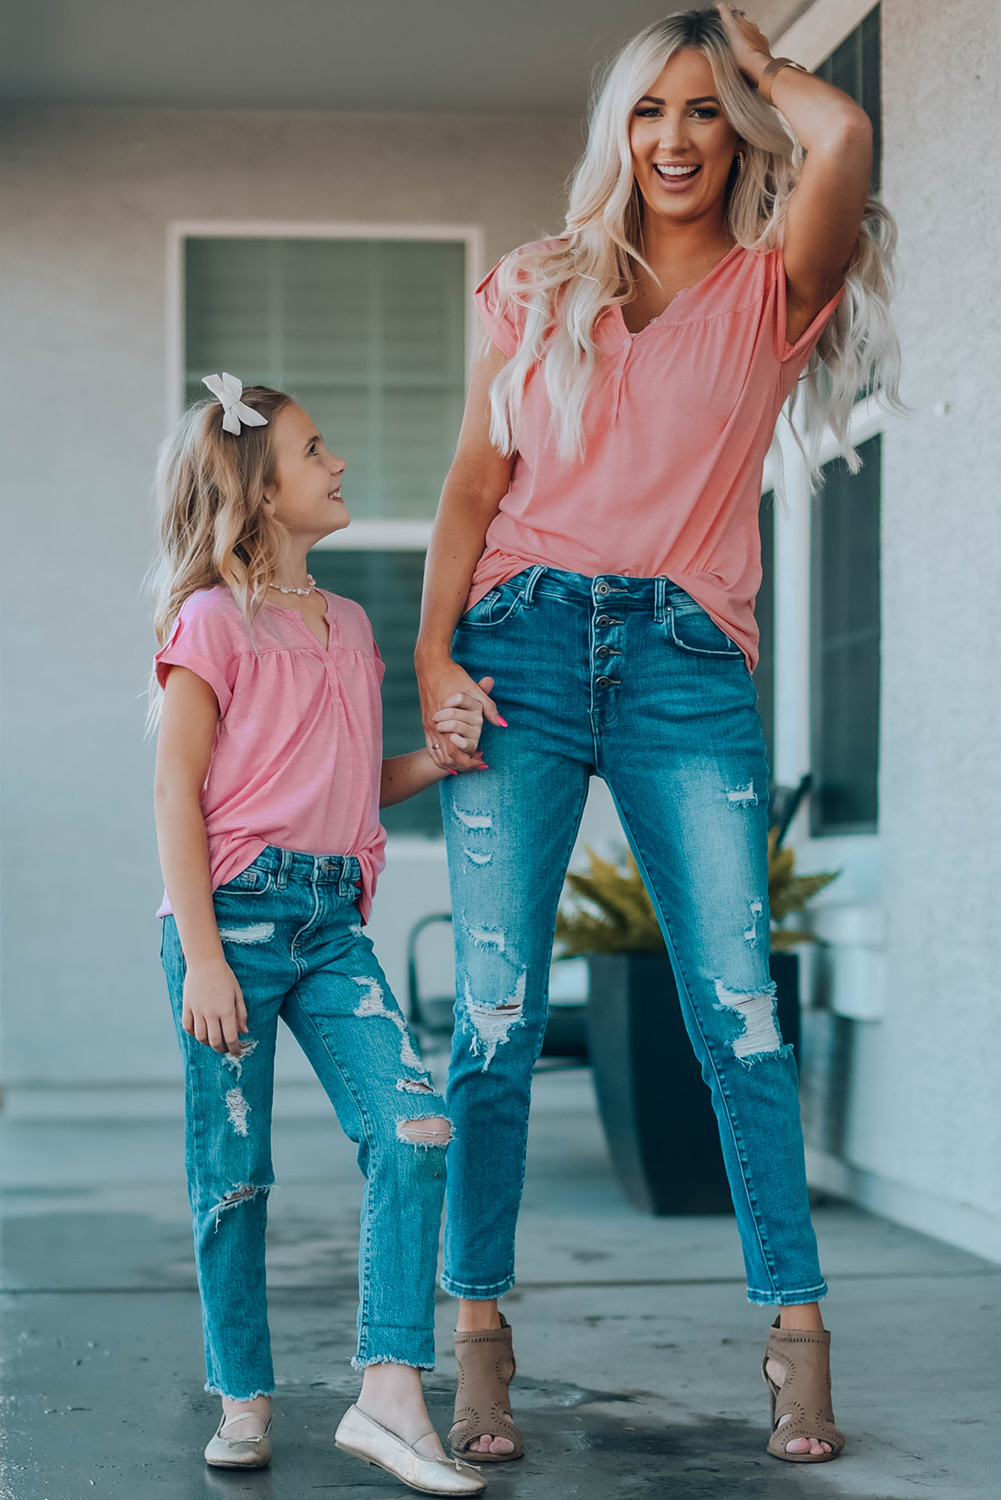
<point>655,1108</point>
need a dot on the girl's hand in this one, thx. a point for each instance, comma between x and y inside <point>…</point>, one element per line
<point>213,1011</point>
<point>749,44</point>
<point>442,684</point>
<point>460,718</point>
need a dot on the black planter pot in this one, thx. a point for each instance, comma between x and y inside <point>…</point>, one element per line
<point>654,1105</point>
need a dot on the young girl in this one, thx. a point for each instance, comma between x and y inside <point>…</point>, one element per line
<point>268,786</point>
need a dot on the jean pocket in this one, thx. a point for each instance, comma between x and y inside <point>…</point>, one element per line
<point>495,607</point>
<point>250,882</point>
<point>694,631</point>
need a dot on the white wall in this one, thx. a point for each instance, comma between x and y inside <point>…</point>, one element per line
<point>87,199</point>
<point>88,195</point>
<point>922,1134</point>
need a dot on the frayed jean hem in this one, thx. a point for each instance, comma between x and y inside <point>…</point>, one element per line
<point>357,1363</point>
<point>787,1299</point>
<point>476,1293</point>
<point>214,1390</point>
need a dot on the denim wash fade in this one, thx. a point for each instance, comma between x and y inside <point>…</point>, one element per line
<point>628,679</point>
<point>291,934</point>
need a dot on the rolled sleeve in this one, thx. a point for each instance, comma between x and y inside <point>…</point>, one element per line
<point>205,640</point>
<point>804,345</point>
<point>181,656</point>
<point>500,325</point>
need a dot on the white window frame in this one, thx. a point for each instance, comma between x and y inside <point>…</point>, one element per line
<point>791,750</point>
<point>362,536</point>
<point>819,30</point>
<point>810,39</point>
<point>848,917</point>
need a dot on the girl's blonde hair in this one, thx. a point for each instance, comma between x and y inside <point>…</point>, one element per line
<point>563,289</point>
<point>212,525</point>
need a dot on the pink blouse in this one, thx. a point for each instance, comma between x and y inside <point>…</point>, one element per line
<point>677,425</point>
<point>298,754</point>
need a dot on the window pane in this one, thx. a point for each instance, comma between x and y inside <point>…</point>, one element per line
<point>388,587</point>
<point>764,611</point>
<point>369,335</point>
<point>854,66</point>
<point>845,646</point>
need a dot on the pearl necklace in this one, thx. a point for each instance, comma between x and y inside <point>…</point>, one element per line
<point>310,586</point>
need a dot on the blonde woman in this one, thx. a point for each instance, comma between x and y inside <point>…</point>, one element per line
<point>268,786</point>
<point>596,552</point>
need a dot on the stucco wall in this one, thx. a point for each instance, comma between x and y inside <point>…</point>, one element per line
<point>87,198</point>
<point>924,1115</point>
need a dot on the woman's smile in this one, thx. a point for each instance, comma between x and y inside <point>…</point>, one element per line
<point>675,177</point>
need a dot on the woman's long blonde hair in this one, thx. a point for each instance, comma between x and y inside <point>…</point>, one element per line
<point>563,289</point>
<point>212,524</point>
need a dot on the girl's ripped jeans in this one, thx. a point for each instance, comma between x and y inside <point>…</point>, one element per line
<point>291,934</point>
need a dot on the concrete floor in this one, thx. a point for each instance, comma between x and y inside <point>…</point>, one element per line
<point>638,1355</point>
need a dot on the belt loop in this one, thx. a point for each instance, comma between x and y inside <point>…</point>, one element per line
<point>532,580</point>
<point>281,879</point>
<point>659,596</point>
<point>346,885</point>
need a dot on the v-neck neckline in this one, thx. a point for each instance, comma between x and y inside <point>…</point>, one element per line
<point>290,609</point>
<point>685,291</point>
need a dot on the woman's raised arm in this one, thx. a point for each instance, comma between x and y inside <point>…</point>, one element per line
<point>825,209</point>
<point>474,487</point>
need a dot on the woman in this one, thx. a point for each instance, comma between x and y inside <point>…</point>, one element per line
<point>598,537</point>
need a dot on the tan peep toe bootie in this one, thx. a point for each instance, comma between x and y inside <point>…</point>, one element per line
<point>805,1394</point>
<point>238,1452</point>
<point>363,1437</point>
<point>486,1367</point>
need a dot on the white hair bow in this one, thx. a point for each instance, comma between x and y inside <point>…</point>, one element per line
<point>228,390</point>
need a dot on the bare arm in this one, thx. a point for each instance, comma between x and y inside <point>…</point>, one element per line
<point>404,776</point>
<point>459,720</point>
<point>825,209</point>
<point>474,487</point>
<point>213,1010</point>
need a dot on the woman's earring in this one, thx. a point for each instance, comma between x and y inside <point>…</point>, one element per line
<point>740,162</point>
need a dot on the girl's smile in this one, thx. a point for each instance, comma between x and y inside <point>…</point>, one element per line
<point>307,478</point>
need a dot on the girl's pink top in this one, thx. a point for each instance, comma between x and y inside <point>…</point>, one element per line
<point>298,754</point>
<point>676,428</point>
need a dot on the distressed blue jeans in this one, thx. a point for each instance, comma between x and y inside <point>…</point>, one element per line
<point>291,934</point>
<point>627,679</point>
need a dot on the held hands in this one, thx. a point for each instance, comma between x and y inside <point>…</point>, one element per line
<point>213,1010</point>
<point>454,707</point>
<point>748,43</point>
<point>458,721</point>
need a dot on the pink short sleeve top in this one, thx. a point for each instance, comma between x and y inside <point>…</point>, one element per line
<point>677,425</point>
<point>298,753</point>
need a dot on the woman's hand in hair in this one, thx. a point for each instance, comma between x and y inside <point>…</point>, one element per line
<point>825,209</point>
<point>747,41</point>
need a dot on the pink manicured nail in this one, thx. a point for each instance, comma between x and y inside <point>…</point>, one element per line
<point>450,771</point>
<point>502,722</point>
<point>483,767</point>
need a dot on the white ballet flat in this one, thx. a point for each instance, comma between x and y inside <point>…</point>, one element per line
<point>239,1453</point>
<point>364,1437</point>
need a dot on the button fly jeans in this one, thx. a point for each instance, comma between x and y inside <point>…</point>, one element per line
<point>628,679</point>
<point>291,934</point>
